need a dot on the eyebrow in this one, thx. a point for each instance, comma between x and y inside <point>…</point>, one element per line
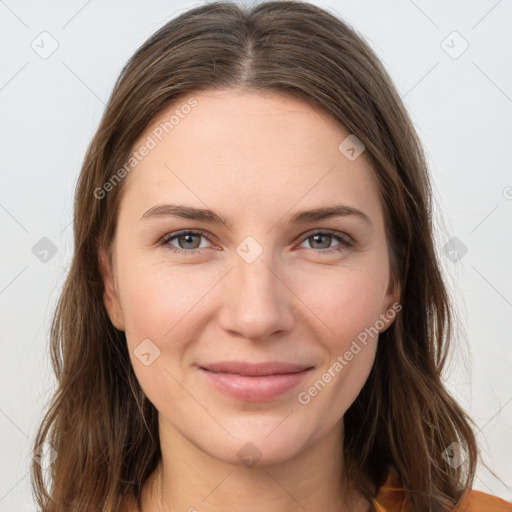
<point>301,217</point>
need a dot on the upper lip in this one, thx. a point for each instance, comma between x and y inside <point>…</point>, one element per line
<point>255,369</point>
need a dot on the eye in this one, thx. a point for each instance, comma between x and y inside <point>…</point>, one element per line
<point>189,242</point>
<point>324,238</point>
<point>185,239</point>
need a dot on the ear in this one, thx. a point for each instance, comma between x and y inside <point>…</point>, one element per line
<point>110,296</point>
<point>390,304</point>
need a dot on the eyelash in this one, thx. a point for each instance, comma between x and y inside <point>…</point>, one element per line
<point>345,244</point>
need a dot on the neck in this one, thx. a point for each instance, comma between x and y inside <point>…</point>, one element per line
<point>188,479</point>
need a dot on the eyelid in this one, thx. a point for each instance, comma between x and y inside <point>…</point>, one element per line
<point>341,234</point>
<point>346,239</point>
<point>176,234</point>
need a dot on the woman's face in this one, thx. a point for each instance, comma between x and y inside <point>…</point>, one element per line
<point>269,284</point>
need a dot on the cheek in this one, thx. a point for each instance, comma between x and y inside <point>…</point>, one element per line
<point>350,346</point>
<point>165,305</point>
<point>348,306</point>
<point>352,312</point>
<point>346,301</point>
<point>161,308</point>
<point>157,300</point>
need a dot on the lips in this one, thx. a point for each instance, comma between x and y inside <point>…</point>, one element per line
<point>255,382</point>
<point>255,369</point>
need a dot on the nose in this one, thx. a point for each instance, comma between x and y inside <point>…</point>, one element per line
<point>257,300</point>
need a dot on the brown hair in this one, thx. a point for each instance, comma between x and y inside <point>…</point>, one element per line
<point>103,428</point>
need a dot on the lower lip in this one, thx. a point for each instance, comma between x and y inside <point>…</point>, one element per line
<point>254,389</point>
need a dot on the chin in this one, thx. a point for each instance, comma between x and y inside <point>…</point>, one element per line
<point>258,443</point>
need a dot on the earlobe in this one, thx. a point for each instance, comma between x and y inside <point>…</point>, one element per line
<point>110,296</point>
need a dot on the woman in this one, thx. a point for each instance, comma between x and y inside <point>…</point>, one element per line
<point>254,369</point>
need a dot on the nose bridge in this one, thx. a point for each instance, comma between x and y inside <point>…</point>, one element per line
<point>255,299</point>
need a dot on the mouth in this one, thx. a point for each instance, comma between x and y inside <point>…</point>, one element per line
<point>254,382</point>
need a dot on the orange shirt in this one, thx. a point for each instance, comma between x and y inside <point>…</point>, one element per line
<point>391,498</point>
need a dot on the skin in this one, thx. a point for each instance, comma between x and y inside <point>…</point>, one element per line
<point>256,159</point>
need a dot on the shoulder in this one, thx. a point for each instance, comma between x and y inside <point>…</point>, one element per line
<point>391,496</point>
<point>478,501</point>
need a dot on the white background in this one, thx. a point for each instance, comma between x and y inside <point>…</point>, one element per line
<point>461,107</point>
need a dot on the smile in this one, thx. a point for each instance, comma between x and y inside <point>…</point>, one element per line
<point>254,382</point>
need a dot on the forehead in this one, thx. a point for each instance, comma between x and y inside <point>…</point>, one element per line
<point>244,149</point>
